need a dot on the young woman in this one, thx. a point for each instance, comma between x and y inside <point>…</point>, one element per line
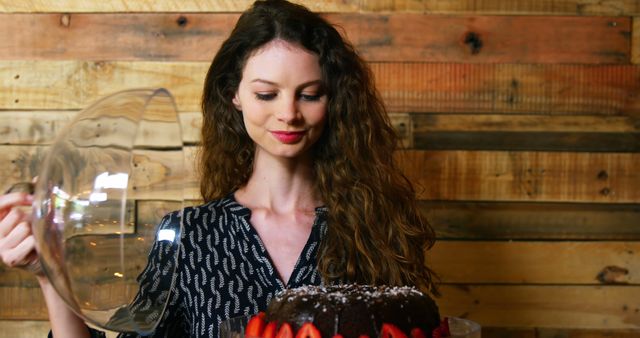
<point>297,174</point>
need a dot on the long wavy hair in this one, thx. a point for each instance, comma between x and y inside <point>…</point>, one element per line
<point>375,234</point>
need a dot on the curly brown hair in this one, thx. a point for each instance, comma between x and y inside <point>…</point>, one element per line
<point>375,233</point>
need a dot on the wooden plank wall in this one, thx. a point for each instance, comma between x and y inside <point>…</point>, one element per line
<point>520,120</point>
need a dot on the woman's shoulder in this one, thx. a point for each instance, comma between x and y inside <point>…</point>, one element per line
<point>209,211</point>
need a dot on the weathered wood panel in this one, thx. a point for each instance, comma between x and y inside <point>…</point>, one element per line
<point>417,130</point>
<point>492,39</point>
<point>562,306</point>
<point>523,176</point>
<point>41,127</point>
<point>32,127</point>
<point>532,221</point>
<point>491,262</point>
<point>30,329</point>
<point>507,88</point>
<point>568,306</point>
<point>438,175</point>
<point>405,87</point>
<point>501,332</point>
<point>459,262</point>
<point>635,41</point>
<point>426,123</point>
<point>378,37</point>
<point>156,174</point>
<point>521,7</point>
<point>526,132</point>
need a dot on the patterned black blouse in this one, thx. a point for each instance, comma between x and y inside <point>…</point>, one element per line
<point>224,270</point>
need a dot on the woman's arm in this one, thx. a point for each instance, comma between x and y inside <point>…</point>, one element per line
<point>64,323</point>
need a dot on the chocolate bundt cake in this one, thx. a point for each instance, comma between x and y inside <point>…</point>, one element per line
<point>350,311</point>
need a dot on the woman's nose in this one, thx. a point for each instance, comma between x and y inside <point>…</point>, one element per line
<point>288,110</point>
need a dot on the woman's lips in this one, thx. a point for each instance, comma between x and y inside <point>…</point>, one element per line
<point>288,137</point>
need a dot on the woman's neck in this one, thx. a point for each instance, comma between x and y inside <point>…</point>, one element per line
<point>280,185</point>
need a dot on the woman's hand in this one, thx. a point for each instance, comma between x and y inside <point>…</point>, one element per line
<point>17,244</point>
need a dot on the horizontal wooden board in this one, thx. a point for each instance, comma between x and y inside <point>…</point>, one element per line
<point>501,332</point>
<point>514,262</point>
<point>459,262</point>
<point>578,307</point>
<point>586,307</point>
<point>535,141</point>
<point>489,39</point>
<point>378,37</point>
<point>405,87</point>
<point>522,7</point>
<point>30,329</point>
<point>437,175</point>
<point>42,127</point>
<point>154,174</point>
<point>471,220</point>
<point>523,176</point>
<point>417,130</point>
<point>430,122</point>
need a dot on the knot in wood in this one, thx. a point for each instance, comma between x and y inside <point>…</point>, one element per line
<point>182,21</point>
<point>472,39</point>
<point>65,20</point>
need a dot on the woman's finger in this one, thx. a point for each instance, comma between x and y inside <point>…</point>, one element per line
<point>15,199</point>
<point>21,255</point>
<point>18,234</point>
<point>10,221</point>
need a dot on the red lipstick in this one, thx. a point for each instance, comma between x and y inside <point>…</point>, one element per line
<point>288,137</point>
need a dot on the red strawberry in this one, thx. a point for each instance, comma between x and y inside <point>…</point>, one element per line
<point>363,336</point>
<point>444,327</point>
<point>255,326</point>
<point>270,330</point>
<point>392,331</point>
<point>308,330</point>
<point>417,332</point>
<point>337,335</point>
<point>285,331</point>
<point>437,333</point>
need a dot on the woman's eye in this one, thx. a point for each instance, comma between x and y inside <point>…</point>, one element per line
<point>265,97</point>
<point>310,97</point>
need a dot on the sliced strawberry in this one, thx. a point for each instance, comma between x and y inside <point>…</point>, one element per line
<point>392,331</point>
<point>270,330</point>
<point>308,330</point>
<point>363,336</point>
<point>444,327</point>
<point>255,326</point>
<point>337,335</point>
<point>417,332</point>
<point>285,331</point>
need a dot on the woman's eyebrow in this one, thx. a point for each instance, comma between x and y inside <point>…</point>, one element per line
<point>302,85</point>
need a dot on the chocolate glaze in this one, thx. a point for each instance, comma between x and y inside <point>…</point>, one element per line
<point>354,310</point>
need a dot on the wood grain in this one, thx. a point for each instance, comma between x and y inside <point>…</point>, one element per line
<point>522,7</point>
<point>526,306</point>
<point>378,37</point>
<point>405,87</point>
<point>500,262</point>
<point>523,176</point>
<point>553,306</point>
<point>473,220</point>
<point>29,329</point>
<point>438,175</point>
<point>458,262</point>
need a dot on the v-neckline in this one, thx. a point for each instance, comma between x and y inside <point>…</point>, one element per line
<point>253,235</point>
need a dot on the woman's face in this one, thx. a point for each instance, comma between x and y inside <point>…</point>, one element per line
<point>282,99</point>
